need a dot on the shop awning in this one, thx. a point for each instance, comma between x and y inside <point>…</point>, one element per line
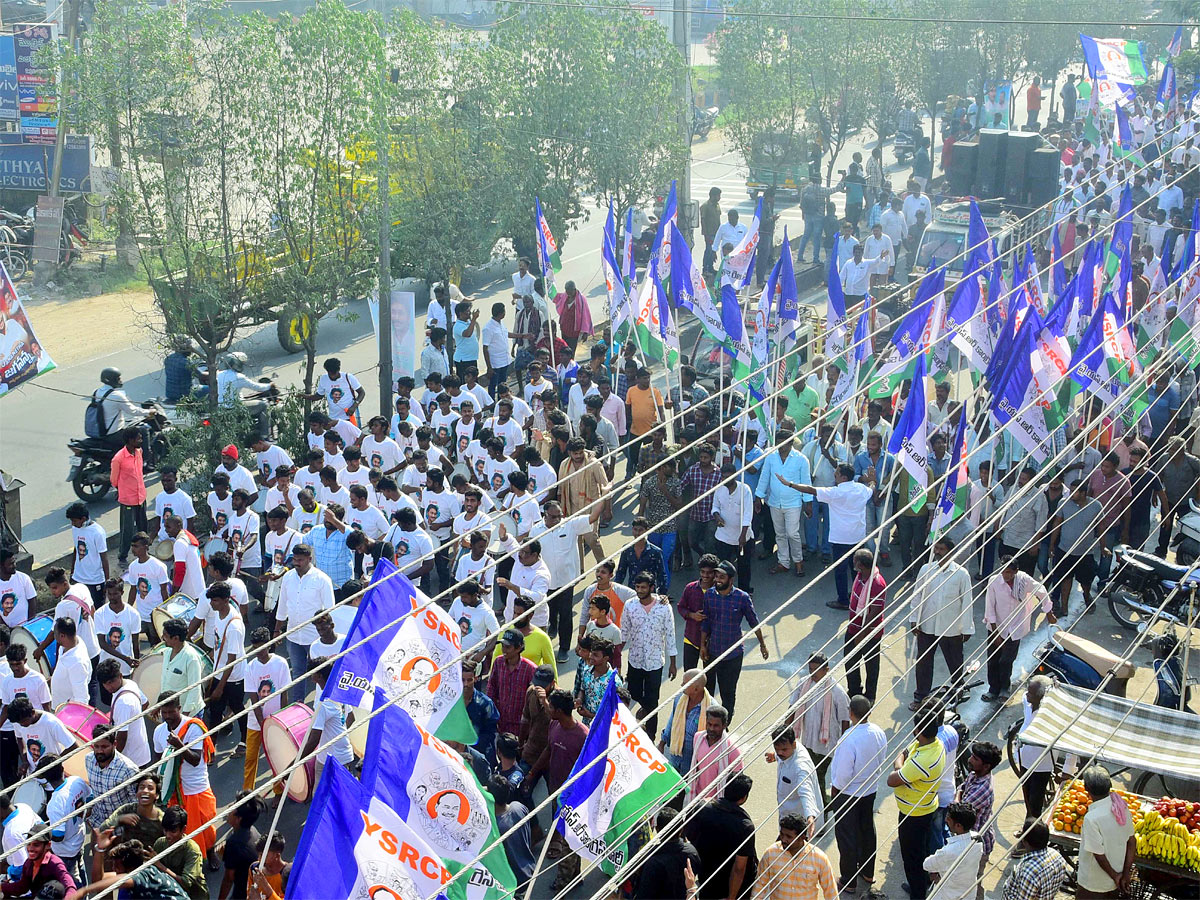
<point>1117,730</point>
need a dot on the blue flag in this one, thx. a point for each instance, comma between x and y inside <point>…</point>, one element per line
<point>1058,269</point>
<point>1124,132</point>
<point>980,250</point>
<point>355,845</point>
<point>411,650</point>
<point>1189,246</point>
<point>1015,396</point>
<point>1176,46</point>
<point>909,443</point>
<point>1166,88</point>
<point>835,316</point>
<point>1101,357</point>
<point>660,253</point>
<point>689,289</point>
<point>781,291</point>
<point>731,317</point>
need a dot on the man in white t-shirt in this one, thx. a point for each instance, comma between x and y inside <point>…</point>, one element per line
<point>414,548</point>
<point>227,689</point>
<point>239,476</point>
<point>362,516</point>
<point>477,565</point>
<point>494,341</point>
<point>90,562</point>
<point>560,552</point>
<point>74,602</point>
<point>328,729</point>
<point>378,450</point>
<point>16,590</point>
<point>128,711</point>
<point>171,501</point>
<point>23,682</point>
<point>847,501</point>
<point>340,390</point>
<point>190,747</point>
<point>72,676</point>
<point>242,535</point>
<point>118,630</point>
<point>269,457</point>
<point>267,675</point>
<point>476,621</point>
<point>39,734</point>
<point>67,794</point>
<point>188,575</point>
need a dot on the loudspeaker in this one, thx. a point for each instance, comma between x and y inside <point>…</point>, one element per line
<point>1016,162</point>
<point>964,157</point>
<point>1044,164</point>
<point>1042,190</point>
<point>989,174</point>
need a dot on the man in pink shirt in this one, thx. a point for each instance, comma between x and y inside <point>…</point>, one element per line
<point>126,476</point>
<point>715,757</point>
<point>1011,601</point>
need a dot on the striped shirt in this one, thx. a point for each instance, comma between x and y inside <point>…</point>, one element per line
<point>977,790</point>
<point>788,875</point>
<point>119,774</point>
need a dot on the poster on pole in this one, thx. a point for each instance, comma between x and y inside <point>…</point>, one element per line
<point>404,330</point>
<point>9,109</point>
<point>21,355</point>
<point>37,95</point>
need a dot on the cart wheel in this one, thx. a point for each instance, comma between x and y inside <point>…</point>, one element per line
<point>1013,742</point>
<point>1155,784</point>
<point>294,330</point>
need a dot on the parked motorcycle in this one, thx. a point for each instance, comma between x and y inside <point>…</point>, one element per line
<point>703,121</point>
<point>1144,587</point>
<point>905,146</point>
<point>1187,539</point>
<point>92,459</point>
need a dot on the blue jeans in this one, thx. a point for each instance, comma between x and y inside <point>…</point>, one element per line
<point>297,655</point>
<point>1043,559</point>
<point>816,530</point>
<point>496,378</point>
<point>812,232</point>
<point>665,543</point>
<point>875,518</point>
<point>937,831</point>
<point>842,570</point>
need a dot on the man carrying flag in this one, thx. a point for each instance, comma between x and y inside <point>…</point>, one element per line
<point>910,448</point>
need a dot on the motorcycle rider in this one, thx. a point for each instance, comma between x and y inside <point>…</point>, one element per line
<point>118,412</point>
<point>231,381</point>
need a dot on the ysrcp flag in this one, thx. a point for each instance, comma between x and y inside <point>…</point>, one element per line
<point>358,847</point>
<point>909,443</point>
<point>21,355</point>
<point>410,651</point>
<point>689,289</point>
<point>437,797</point>
<point>624,779</point>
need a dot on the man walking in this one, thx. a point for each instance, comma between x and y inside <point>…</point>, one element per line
<point>710,221</point>
<point>724,609</point>
<point>854,773</point>
<point>916,774</point>
<point>1007,611</point>
<point>942,618</point>
<point>820,713</point>
<point>125,474</point>
<point>648,635</point>
<point>781,484</point>
<point>792,867</point>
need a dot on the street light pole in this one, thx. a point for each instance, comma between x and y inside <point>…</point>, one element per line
<point>385,227</point>
<point>679,36</point>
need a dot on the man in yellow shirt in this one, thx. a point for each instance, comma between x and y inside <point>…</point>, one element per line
<point>539,649</point>
<point>915,776</point>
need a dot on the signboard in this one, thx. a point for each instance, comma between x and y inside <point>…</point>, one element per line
<point>404,330</point>
<point>21,355</point>
<point>37,96</point>
<point>26,167</point>
<point>9,110</point>
<point>47,229</point>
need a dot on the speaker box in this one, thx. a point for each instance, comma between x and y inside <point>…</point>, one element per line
<point>1044,164</point>
<point>1016,163</point>
<point>963,159</point>
<point>1042,190</point>
<point>989,173</point>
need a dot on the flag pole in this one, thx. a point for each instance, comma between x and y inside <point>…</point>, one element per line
<point>537,866</point>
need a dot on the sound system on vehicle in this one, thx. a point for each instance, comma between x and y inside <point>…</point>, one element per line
<point>989,173</point>
<point>1016,163</point>
<point>964,156</point>
<point>1042,171</point>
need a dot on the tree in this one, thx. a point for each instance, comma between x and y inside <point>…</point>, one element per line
<point>316,110</point>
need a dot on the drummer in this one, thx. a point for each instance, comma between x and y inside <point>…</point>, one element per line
<point>67,794</point>
<point>39,734</point>
<point>244,545</point>
<point>29,685</point>
<point>128,712</point>
<point>227,687</point>
<point>188,576</point>
<point>186,777</point>
<point>221,566</point>
<point>266,676</point>
<point>148,580</point>
<point>119,628</point>
<point>74,601</point>
<point>183,666</point>
<point>328,729</point>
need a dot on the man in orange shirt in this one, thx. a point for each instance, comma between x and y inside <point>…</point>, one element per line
<point>126,476</point>
<point>1033,103</point>
<point>643,408</point>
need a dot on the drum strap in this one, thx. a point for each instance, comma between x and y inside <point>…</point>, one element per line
<point>121,693</point>
<point>221,641</point>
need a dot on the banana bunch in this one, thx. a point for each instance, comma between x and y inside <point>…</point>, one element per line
<point>1169,840</point>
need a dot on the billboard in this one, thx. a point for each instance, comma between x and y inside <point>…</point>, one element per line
<point>26,167</point>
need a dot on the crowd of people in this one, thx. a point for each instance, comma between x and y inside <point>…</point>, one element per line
<point>498,470</point>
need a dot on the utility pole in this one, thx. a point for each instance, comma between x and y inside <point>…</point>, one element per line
<point>680,36</point>
<point>385,226</point>
<point>48,225</point>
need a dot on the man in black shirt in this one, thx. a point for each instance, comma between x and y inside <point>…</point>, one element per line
<point>662,875</point>
<point>1146,489</point>
<point>723,834</point>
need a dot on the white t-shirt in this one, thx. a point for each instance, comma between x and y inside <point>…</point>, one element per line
<point>32,686</point>
<point>495,338</point>
<point>265,680</point>
<point>330,719</point>
<point>15,594</point>
<point>496,472</point>
<point>240,477</point>
<point>483,398</point>
<point>384,455</point>
<point>127,716</point>
<point>847,510</point>
<point>91,543</point>
<point>482,570</point>
<point>307,478</point>
<point>464,525</point>
<point>275,497</point>
<point>220,509</point>
<point>192,778</point>
<point>362,475</point>
<point>67,836</point>
<point>476,457</point>
<point>193,576</point>
<point>17,827</point>
<point>510,432</point>
<point>271,459</point>
<point>440,507</point>
<point>369,521</point>
<point>279,546</point>
<point>304,522</point>
<point>525,512</point>
<point>118,630</point>
<point>243,532</point>
<point>412,548</point>
<point>338,495</point>
<point>464,433</point>
<point>48,736</point>
<point>85,628</point>
<point>71,675</point>
<point>229,644</point>
<point>443,425</point>
<point>147,579</point>
<point>560,549</point>
<point>318,649</point>
<point>177,503</point>
<point>477,623</point>
<point>541,479</point>
<point>206,614</point>
<point>339,393</point>
<point>413,477</point>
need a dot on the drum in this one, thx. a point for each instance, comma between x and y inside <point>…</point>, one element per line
<point>148,674</point>
<point>80,719</point>
<point>177,606</point>
<point>497,546</point>
<point>32,794</point>
<point>271,598</point>
<point>30,635</point>
<point>165,549</point>
<point>213,545</point>
<point>283,736</point>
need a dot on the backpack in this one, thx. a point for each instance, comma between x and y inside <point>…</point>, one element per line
<point>94,425</point>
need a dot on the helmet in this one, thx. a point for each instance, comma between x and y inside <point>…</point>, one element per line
<point>237,360</point>
<point>111,377</point>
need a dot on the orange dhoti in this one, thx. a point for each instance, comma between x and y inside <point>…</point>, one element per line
<point>201,809</point>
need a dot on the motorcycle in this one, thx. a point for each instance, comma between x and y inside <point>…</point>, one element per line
<point>92,461</point>
<point>905,146</point>
<point>1187,539</point>
<point>1077,661</point>
<point>703,121</point>
<point>1144,588</point>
